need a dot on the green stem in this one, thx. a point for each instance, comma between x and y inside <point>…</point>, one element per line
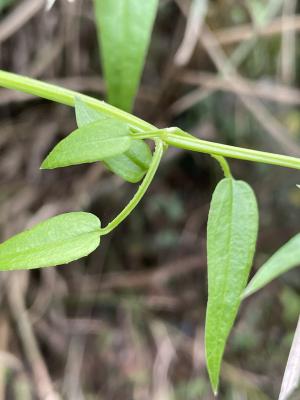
<point>171,136</point>
<point>163,134</point>
<point>178,138</point>
<point>218,149</point>
<point>140,192</point>
<point>224,165</point>
<point>67,97</point>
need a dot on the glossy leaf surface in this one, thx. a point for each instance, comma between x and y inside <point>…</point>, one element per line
<point>286,258</point>
<point>131,165</point>
<point>92,142</point>
<point>58,240</point>
<point>124,31</point>
<point>231,239</point>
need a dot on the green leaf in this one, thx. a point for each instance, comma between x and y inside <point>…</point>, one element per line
<point>58,240</point>
<point>131,165</point>
<point>92,142</point>
<point>286,258</point>
<point>124,31</point>
<point>231,239</point>
<point>86,114</point>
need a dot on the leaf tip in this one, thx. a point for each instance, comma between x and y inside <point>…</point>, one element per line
<point>215,387</point>
<point>44,164</point>
<point>248,291</point>
<point>214,379</point>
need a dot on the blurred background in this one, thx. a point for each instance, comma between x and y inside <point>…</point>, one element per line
<point>127,322</point>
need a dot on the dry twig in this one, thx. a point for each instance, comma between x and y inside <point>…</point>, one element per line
<point>270,124</point>
<point>291,378</point>
<point>42,382</point>
<point>158,276</point>
<point>19,17</point>
<point>210,82</point>
<point>246,32</point>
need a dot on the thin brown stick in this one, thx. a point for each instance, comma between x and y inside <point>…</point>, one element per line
<point>189,100</point>
<point>264,90</point>
<point>42,382</point>
<point>246,32</point>
<point>270,124</point>
<point>156,277</point>
<point>195,18</point>
<point>291,378</point>
<point>19,17</point>
<point>288,45</point>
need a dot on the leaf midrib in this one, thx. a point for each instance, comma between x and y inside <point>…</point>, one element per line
<point>44,247</point>
<point>229,245</point>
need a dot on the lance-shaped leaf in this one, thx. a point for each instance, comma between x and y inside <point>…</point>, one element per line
<point>93,142</point>
<point>231,239</point>
<point>58,240</point>
<point>286,258</point>
<point>131,165</point>
<point>124,30</point>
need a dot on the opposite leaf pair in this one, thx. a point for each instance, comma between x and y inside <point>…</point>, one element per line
<point>70,236</point>
<point>99,138</point>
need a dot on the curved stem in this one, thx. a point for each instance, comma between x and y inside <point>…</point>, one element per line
<point>140,192</point>
<point>171,136</point>
<point>224,165</point>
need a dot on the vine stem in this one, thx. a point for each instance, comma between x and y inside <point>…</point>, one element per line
<point>66,96</point>
<point>177,138</point>
<point>158,153</point>
<point>224,165</point>
<point>171,136</point>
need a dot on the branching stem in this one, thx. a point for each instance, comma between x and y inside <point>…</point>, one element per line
<point>224,165</point>
<point>171,136</point>
<point>140,192</point>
